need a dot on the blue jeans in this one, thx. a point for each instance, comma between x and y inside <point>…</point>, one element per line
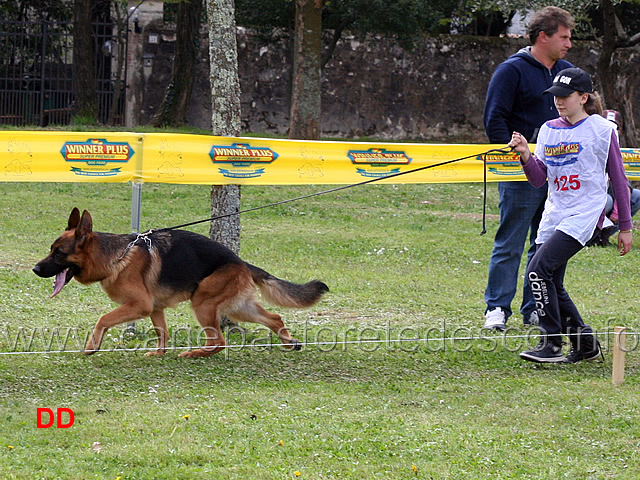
<point>521,207</point>
<point>635,202</point>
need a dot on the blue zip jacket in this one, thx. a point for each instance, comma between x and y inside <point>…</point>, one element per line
<point>515,100</point>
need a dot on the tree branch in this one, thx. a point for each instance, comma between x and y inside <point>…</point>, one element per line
<point>337,33</point>
<point>629,41</point>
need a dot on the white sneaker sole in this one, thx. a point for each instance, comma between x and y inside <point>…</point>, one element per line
<point>533,358</point>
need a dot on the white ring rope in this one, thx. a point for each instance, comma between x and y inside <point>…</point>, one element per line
<point>306,344</point>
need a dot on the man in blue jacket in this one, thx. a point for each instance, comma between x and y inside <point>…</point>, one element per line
<point>515,103</point>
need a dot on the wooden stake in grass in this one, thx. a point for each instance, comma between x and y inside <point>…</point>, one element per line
<point>619,349</point>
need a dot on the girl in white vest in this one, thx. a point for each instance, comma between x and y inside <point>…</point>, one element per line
<point>575,153</point>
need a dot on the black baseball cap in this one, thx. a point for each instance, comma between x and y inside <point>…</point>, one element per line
<point>570,80</point>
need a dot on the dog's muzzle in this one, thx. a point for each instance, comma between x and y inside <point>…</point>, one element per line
<point>61,278</point>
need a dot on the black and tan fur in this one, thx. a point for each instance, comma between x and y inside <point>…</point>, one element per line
<point>172,267</point>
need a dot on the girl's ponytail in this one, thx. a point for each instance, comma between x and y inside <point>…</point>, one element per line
<point>594,104</point>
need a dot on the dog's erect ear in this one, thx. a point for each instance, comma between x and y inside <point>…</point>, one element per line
<point>74,219</point>
<point>85,227</point>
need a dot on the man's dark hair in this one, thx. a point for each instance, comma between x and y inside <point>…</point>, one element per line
<point>548,20</point>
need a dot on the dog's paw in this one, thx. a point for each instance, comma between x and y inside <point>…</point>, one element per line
<point>293,344</point>
<point>155,353</point>
<point>188,355</point>
<point>201,352</point>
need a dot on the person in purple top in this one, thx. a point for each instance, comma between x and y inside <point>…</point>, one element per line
<point>515,101</point>
<point>601,236</point>
<point>574,154</point>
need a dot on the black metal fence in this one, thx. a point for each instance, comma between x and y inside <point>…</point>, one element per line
<point>36,72</point>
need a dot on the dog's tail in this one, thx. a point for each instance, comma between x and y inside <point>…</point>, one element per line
<point>286,294</point>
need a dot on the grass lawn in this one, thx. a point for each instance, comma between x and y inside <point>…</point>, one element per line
<point>377,393</point>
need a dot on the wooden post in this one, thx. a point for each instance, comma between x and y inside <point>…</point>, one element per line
<point>619,349</point>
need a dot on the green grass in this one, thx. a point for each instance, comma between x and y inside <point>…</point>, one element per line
<point>403,261</point>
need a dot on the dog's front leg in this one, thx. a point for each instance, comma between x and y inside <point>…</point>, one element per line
<point>160,325</point>
<point>128,312</point>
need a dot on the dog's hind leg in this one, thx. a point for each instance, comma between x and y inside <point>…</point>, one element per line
<point>127,312</point>
<point>207,313</point>
<point>251,311</point>
<point>215,296</point>
<point>160,326</point>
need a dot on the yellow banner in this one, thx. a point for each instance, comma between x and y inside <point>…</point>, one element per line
<point>201,159</point>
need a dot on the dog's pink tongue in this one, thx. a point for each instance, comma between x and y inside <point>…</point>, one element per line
<point>59,282</point>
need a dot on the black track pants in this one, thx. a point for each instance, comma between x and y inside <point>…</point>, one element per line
<point>556,311</point>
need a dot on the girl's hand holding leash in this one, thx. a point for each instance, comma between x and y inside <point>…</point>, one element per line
<point>519,144</point>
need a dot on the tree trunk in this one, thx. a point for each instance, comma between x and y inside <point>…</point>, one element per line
<point>606,55</point>
<point>122,20</point>
<point>225,199</point>
<point>86,103</point>
<point>614,71</point>
<point>174,107</point>
<point>304,121</point>
<point>225,116</point>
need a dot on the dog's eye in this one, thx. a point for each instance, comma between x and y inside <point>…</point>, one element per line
<point>58,253</point>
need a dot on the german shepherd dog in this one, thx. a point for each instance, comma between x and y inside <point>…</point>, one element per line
<point>147,274</point>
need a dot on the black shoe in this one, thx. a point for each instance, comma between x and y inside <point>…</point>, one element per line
<point>601,237</point>
<point>592,352</point>
<point>606,233</point>
<point>546,352</point>
<point>531,320</point>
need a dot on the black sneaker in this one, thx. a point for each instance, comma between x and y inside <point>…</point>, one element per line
<point>593,352</point>
<point>531,320</point>
<point>601,237</point>
<point>545,352</point>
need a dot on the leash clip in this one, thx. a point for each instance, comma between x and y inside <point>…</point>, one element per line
<point>144,236</point>
<point>147,240</point>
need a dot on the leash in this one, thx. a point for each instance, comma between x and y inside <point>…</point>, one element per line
<point>484,182</point>
<point>144,236</point>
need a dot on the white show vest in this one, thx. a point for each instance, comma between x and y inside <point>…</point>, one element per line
<point>576,160</point>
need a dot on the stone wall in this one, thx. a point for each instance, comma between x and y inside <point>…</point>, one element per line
<point>371,87</point>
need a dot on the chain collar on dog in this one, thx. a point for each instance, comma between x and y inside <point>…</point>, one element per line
<point>141,236</point>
